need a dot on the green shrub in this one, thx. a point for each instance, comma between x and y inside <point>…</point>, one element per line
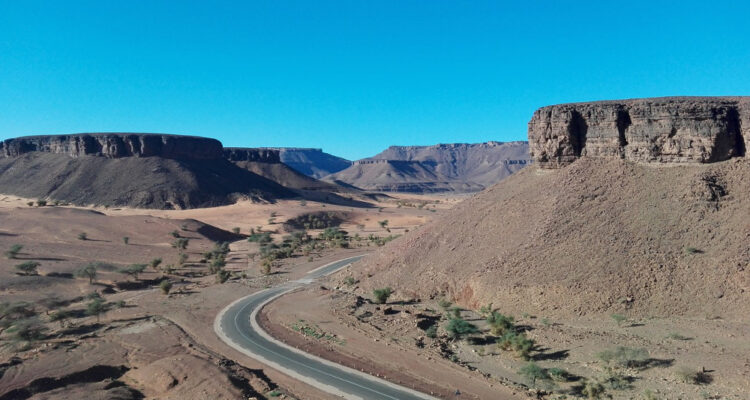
<point>181,243</point>
<point>87,271</point>
<point>558,374</point>
<point>431,332</point>
<point>458,327</point>
<point>499,323</point>
<point>165,286</point>
<point>83,236</point>
<point>222,276</point>
<point>444,304</point>
<point>349,281</point>
<point>13,251</point>
<point>27,268</point>
<point>381,295</point>
<point>125,239</point>
<point>41,202</point>
<point>134,270</point>
<point>593,389</point>
<point>236,230</point>
<point>534,373</point>
<point>691,375</point>
<point>618,318</point>
<point>155,263</point>
<point>625,356</point>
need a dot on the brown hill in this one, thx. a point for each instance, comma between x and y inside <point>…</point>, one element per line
<point>136,170</point>
<point>398,176</point>
<point>601,234</point>
<point>484,164</point>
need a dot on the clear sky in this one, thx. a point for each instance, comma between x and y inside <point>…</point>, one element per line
<point>352,77</point>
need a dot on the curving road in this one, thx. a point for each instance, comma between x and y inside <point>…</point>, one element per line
<point>237,325</point>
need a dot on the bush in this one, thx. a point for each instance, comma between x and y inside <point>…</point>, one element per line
<point>155,263</point>
<point>181,243</point>
<point>499,323</point>
<point>444,304</point>
<point>349,281</point>
<point>41,203</point>
<point>95,308</point>
<point>236,230</point>
<point>27,268</point>
<point>222,276</point>
<point>558,374</point>
<point>517,342</point>
<point>381,295</point>
<point>534,373</point>
<point>175,234</point>
<point>87,271</point>
<point>431,332</point>
<point>593,389</point>
<point>133,270</point>
<point>165,286</point>
<point>690,375</point>
<point>27,330</point>
<point>625,356</point>
<point>619,318</point>
<point>458,327</point>
<point>83,236</point>
<point>13,251</point>
<point>125,239</point>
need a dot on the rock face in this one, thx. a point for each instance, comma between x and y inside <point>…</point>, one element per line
<point>236,154</point>
<point>652,130</point>
<point>116,145</point>
<point>312,162</point>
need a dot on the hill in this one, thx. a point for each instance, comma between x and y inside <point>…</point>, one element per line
<point>398,176</point>
<point>592,231</point>
<point>135,170</point>
<point>481,163</point>
<point>312,162</point>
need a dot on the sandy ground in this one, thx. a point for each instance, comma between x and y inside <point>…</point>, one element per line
<point>148,343</point>
<point>385,335</point>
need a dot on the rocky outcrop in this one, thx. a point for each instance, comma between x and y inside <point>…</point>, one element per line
<point>116,145</point>
<point>252,154</point>
<point>653,130</point>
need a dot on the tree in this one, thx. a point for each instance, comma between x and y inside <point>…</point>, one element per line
<point>95,308</point>
<point>155,263</point>
<point>181,243</point>
<point>165,286</point>
<point>533,373</point>
<point>87,271</point>
<point>382,295</point>
<point>458,327</point>
<point>27,268</point>
<point>13,251</point>
<point>133,270</point>
<point>499,323</point>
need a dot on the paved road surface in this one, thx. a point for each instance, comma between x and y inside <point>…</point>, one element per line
<point>237,326</point>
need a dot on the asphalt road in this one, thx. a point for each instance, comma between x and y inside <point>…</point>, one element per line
<point>237,326</point>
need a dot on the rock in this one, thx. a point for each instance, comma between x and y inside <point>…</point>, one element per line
<point>116,145</point>
<point>662,130</point>
<point>251,154</point>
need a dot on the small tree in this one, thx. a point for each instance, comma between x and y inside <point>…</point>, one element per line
<point>13,251</point>
<point>95,308</point>
<point>41,203</point>
<point>86,271</point>
<point>381,295</point>
<point>181,243</point>
<point>458,327</point>
<point>533,373</point>
<point>165,286</point>
<point>155,263</point>
<point>222,276</point>
<point>27,268</point>
<point>499,323</point>
<point>125,240</point>
<point>133,270</point>
<point>265,266</point>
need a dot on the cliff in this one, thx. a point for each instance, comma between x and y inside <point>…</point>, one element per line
<point>116,145</point>
<point>235,154</point>
<point>651,130</point>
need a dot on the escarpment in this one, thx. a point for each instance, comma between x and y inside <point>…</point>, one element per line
<point>651,130</point>
<point>116,145</point>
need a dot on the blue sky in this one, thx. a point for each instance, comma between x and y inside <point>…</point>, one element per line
<point>351,76</point>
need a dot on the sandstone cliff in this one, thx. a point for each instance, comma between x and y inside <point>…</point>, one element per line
<point>661,130</point>
<point>116,145</point>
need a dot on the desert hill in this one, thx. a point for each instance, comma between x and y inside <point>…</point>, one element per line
<point>457,167</point>
<point>586,230</point>
<point>136,170</point>
<point>482,163</point>
<point>398,176</point>
<point>312,162</point>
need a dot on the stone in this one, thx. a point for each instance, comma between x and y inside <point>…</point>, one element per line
<point>650,130</point>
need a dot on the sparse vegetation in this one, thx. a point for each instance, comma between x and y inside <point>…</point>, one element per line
<point>380,296</point>
<point>691,375</point>
<point>133,270</point>
<point>692,250</point>
<point>593,389</point>
<point>534,373</point>
<point>677,336</point>
<point>459,327</point>
<point>27,268</point>
<point>87,271</point>
<point>13,251</point>
<point>499,323</point>
<point>558,374</point>
<point>431,332</point>
<point>619,318</point>
<point>181,243</point>
<point>625,356</point>
<point>349,281</point>
<point>165,286</point>
<point>154,264</point>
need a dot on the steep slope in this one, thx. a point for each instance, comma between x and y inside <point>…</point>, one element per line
<point>398,176</point>
<point>312,162</point>
<point>136,170</point>
<point>587,230</point>
<point>481,163</point>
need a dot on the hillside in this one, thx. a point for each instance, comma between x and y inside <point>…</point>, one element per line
<point>312,162</point>
<point>135,170</point>
<point>482,163</point>
<point>592,232</point>
<point>398,176</point>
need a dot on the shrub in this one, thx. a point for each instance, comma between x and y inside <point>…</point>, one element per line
<point>29,330</point>
<point>444,304</point>
<point>236,230</point>
<point>533,373</point>
<point>558,374</point>
<point>181,243</point>
<point>517,342</point>
<point>133,270</point>
<point>265,266</point>
<point>625,356</point>
<point>175,234</point>
<point>222,276</point>
<point>60,316</point>
<point>692,250</point>
<point>381,295</point>
<point>349,281</point>
<point>486,310</point>
<point>83,236</point>
<point>165,286</point>
<point>182,258</point>
<point>95,308</point>
<point>125,239</point>
<point>499,323</point>
<point>41,202</point>
<point>593,389</point>
<point>458,327</point>
<point>87,271</point>
<point>30,204</point>
<point>431,332</point>
<point>155,263</point>
<point>13,251</point>
<point>27,268</point>
<point>677,336</point>
<point>694,376</point>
